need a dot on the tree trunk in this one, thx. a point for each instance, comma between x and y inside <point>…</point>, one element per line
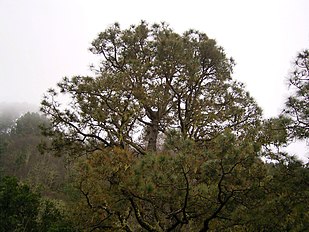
<point>153,131</point>
<point>152,128</point>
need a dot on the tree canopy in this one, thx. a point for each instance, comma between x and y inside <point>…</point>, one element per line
<point>164,139</point>
<point>150,80</point>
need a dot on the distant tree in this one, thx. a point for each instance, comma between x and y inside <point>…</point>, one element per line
<point>297,104</point>
<point>21,209</point>
<point>20,156</point>
<point>3,143</point>
<point>6,122</point>
<point>150,79</point>
<point>19,206</point>
<point>29,124</point>
<point>9,112</point>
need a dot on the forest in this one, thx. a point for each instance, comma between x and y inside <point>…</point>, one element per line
<point>160,138</point>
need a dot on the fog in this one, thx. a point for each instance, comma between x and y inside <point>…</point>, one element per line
<point>42,41</point>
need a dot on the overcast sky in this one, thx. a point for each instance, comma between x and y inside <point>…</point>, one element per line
<point>43,40</point>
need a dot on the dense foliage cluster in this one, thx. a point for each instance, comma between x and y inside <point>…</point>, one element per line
<point>151,80</point>
<point>24,210</point>
<point>297,104</point>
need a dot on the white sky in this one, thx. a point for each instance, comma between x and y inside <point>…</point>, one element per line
<point>43,40</point>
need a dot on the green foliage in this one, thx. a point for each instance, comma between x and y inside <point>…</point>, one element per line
<point>19,206</point>
<point>163,139</point>
<point>3,144</point>
<point>23,210</point>
<point>20,157</point>
<point>53,218</point>
<point>284,203</point>
<point>297,104</point>
<point>29,124</point>
<point>178,189</point>
<point>154,80</point>
<point>275,131</point>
